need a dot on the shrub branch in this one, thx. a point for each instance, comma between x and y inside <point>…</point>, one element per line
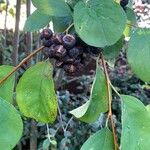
<point>21,63</point>
<point>110,116</point>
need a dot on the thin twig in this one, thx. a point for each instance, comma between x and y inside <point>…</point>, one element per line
<point>114,89</point>
<point>110,102</point>
<point>61,120</point>
<point>67,30</point>
<point>132,25</point>
<point>68,123</point>
<point>48,135</point>
<point>21,63</point>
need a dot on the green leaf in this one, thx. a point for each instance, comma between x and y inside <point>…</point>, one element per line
<point>6,89</point>
<point>135,124</point>
<point>148,108</point>
<point>139,53</point>
<point>99,23</point>
<point>11,126</point>
<point>98,102</point>
<point>111,52</point>
<point>102,139</point>
<point>130,15</point>
<point>60,24</point>
<point>35,93</point>
<point>52,7</point>
<point>36,21</point>
<point>46,144</point>
<point>72,3</point>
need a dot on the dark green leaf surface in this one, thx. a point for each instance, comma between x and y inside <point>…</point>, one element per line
<point>11,126</point>
<point>72,3</point>
<point>99,23</point>
<point>36,21</point>
<point>98,102</point>
<point>138,54</point>
<point>101,140</point>
<point>111,52</point>
<point>60,24</point>
<point>135,124</point>
<point>56,8</point>
<point>6,89</point>
<point>35,93</point>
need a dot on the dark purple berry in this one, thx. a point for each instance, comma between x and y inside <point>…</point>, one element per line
<point>45,52</point>
<point>46,34</point>
<point>74,52</point>
<point>47,43</point>
<point>68,60</point>
<point>60,51</point>
<point>57,38</point>
<point>77,60</point>
<point>69,41</point>
<point>58,63</point>
<point>70,68</point>
<point>52,51</point>
<point>80,67</point>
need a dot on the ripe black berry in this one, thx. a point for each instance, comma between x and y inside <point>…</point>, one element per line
<point>57,38</point>
<point>46,34</point>
<point>80,67</point>
<point>69,41</point>
<point>47,43</point>
<point>51,51</point>
<point>59,63</point>
<point>74,52</point>
<point>60,51</point>
<point>77,60</point>
<point>68,60</point>
<point>70,68</point>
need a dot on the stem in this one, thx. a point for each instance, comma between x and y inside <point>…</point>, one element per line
<point>67,30</point>
<point>114,89</point>
<point>61,120</point>
<point>67,125</point>
<point>132,25</point>
<point>110,116</point>
<point>21,63</point>
<point>48,135</point>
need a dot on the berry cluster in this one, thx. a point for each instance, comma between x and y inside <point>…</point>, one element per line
<point>68,50</point>
<point>124,3</point>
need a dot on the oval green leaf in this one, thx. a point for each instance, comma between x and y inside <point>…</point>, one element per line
<point>98,103</point>
<point>135,124</point>
<point>56,8</point>
<point>138,54</point>
<point>102,139</point>
<point>72,3</point>
<point>6,89</point>
<point>111,52</point>
<point>99,23</point>
<point>36,21</point>
<point>60,24</point>
<point>11,126</point>
<point>148,108</point>
<point>35,93</point>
